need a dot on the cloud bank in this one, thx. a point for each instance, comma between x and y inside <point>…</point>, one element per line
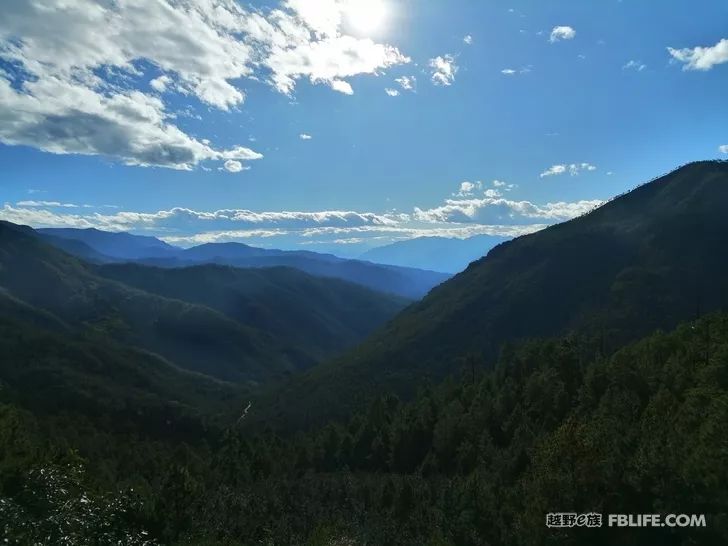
<point>474,209</point>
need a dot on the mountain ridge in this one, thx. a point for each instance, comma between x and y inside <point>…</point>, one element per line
<point>109,247</point>
<point>646,260</point>
<point>185,330</point>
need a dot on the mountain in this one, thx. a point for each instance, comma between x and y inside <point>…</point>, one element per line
<point>76,248</point>
<point>434,253</point>
<point>52,370</point>
<point>644,261</point>
<point>121,247</point>
<point>312,318</point>
<point>212,320</point>
<point>405,282</point>
<point>117,246</point>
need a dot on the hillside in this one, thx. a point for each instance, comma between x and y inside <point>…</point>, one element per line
<point>190,333</point>
<point>53,371</point>
<point>647,260</point>
<point>434,253</point>
<point>315,317</point>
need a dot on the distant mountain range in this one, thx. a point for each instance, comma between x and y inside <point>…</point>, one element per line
<point>232,324</point>
<point>106,247</point>
<point>644,261</point>
<point>434,253</point>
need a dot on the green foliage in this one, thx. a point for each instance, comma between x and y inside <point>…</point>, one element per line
<point>55,508</point>
<point>474,461</point>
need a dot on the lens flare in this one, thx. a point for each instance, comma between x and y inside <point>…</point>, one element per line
<point>367,16</point>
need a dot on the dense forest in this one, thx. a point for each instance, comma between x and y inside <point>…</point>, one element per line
<point>477,460</point>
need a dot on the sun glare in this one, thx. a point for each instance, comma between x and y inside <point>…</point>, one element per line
<point>367,15</point>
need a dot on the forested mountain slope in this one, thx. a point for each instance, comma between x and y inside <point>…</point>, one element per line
<point>316,317</point>
<point>476,461</point>
<point>646,260</point>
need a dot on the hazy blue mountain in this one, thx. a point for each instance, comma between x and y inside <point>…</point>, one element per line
<point>76,247</point>
<point>647,260</point>
<point>402,281</point>
<point>434,253</point>
<point>118,246</point>
<point>106,247</point>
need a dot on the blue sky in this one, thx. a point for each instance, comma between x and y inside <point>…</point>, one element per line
<point>345,124</point>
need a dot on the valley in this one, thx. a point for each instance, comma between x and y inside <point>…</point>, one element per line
<point>195,401</point>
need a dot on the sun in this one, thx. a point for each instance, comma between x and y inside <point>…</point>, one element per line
<point>366,16</point>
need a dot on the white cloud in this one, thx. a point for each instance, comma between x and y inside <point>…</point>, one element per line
<point>161,83</point>
<point>554,170</point>
<point>391,92</point>
<point>408,83</point>
<point>305,136</point>
<point>76,66</point>
<point>50,204</point>
<point>505,186</point>
<point>233,166</point>
<point>342,87</point>
<point>462,217</point>
<point>701,58</point>
<point>64,117</point>
<point>513,71</point>
<point>723,149</point>
<point>497,210</point>
<point>444,70</point>
<point>186,220</point>
<point>562,33</point>
<point>574,169</point>
<point>322,16</point>
<point>468,39</point>
<point>468,188</point>
<point>639,66</point>
<point>329,60</point>
<point>333,237</point>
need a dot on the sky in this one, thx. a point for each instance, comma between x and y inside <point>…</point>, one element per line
<point>341,125</point>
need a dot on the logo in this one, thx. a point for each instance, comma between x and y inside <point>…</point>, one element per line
<point>564,520</point>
